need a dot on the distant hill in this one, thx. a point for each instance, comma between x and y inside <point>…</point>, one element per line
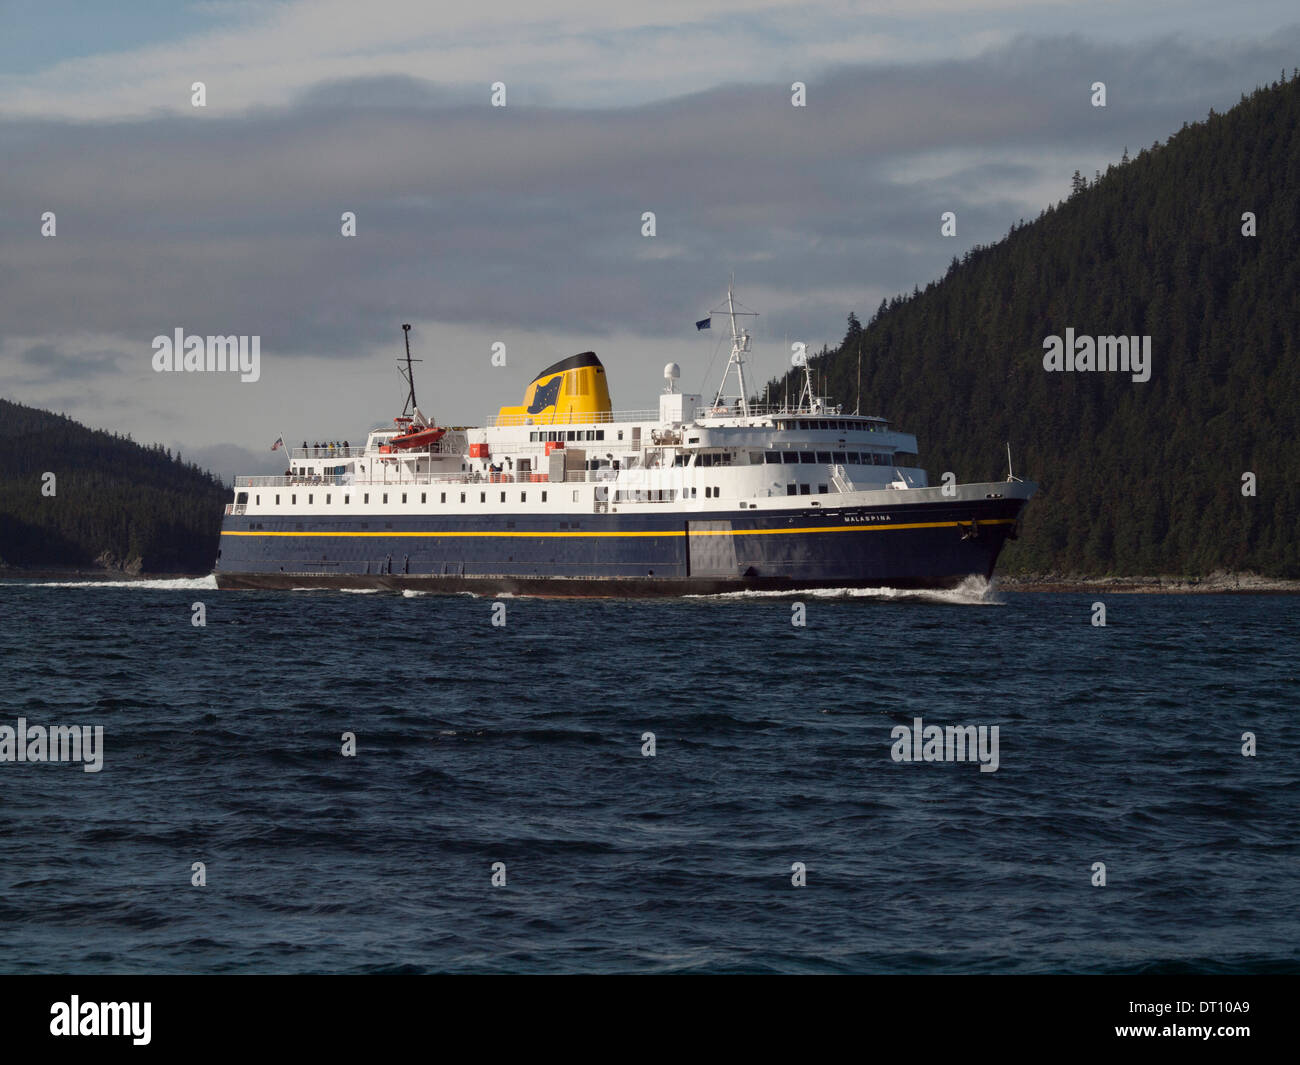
<point>117,504</point>
<point>1137,478</point>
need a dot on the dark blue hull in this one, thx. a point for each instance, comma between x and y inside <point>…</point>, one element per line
<point>640,553</point>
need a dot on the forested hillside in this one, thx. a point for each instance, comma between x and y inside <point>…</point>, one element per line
<point>1137,478</point>
<point>115,504</point>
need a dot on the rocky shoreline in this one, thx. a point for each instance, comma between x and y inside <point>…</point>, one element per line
<point>1219,583</point>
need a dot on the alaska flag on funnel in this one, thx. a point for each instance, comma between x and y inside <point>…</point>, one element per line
<point>703,323</point>
<point>546,395</point>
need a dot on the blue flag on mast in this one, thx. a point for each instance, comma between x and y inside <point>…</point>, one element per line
<point>703,323</point>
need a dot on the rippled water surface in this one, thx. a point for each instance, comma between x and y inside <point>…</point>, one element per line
<point>522,744</point>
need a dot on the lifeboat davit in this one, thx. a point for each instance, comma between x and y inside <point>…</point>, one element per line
<point>417,437</point>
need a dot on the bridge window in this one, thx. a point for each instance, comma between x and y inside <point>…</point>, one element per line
<point>824,457</point>
<point>805,489</point>
<point>807,457</point>
<point>791,489</point>
<point>841,457</point>
<point>821,489</point>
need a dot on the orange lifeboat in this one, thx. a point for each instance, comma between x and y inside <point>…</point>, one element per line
<point>417,437</point>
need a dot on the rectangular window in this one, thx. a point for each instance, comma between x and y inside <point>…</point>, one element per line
<point>327,499</point>
<point>422,498</point>
<point>257,500</point>
<point>293,500</point>
<point>523,497</point>
<point>600,434</point>
<point>824,457</point>
<point>791,489</point>
<point>543,497</point>
<point>841,457</point>
<point>821,489</point>
<point>310,496</point>
<point>790,456</point>
<point>482,497</point>
<point>462,497</point>
<point>805,489</point>
<point>442,497</point>
<point>385,497</point>
<point>807,457</point>
<point>403,497</point>
<point>575,495</point>
<point>277,499</point>
<point>503,497</point>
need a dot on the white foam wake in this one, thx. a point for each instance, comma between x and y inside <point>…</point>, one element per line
<point>973,591</point>
<point>178,584</point>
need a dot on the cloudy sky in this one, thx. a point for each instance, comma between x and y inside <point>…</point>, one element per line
<point>523,224</point>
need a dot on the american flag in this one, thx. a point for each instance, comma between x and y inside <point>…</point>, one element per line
<point>279,443</point>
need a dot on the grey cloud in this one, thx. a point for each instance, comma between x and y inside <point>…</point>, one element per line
<point>529,218</point>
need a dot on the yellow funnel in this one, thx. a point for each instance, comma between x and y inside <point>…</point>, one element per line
<point>572,390</point>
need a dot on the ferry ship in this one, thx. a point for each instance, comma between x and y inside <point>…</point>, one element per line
<point>565,496</point>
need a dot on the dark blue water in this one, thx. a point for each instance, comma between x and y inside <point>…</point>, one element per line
<point>522,744</point>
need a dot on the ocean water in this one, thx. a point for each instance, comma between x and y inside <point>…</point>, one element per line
<point>522,744</point>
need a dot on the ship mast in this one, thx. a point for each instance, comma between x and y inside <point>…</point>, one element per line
<point>740,340</point>
<point>408,374</point>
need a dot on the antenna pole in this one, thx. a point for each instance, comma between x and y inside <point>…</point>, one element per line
<point>1010,475</point>
<point>858,407</point>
